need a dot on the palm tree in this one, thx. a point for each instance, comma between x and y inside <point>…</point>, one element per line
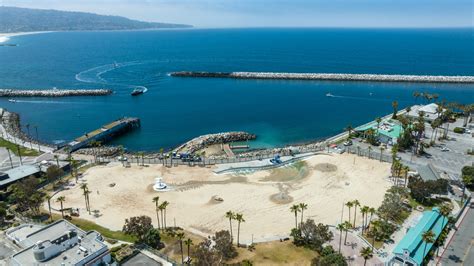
<point>49,208</point>
<point>85,189</point>
<point>378,120</point>
<point>372,212</point>
<point>303,206</point>
<point>349,130</point>
<point>395,109</point>
<point>349,205</point>
<point>416,94</point>
<point>347,226</point>
<point>356,204</point>
<point>180,237</point>
<point>230,215</point>
<point>370,150</point>
<point>61,200</point>
<point>381,152</point>
<point>240,219</point>
<point>56,157</point>
<point>367,254</point>
<point>165,204</point>
<point>161,208</point>
<point>341,228</point>
<point>188,242</point>
<point>295,208</point>
<point>156,200</point>
<point>428,237</point>
<point>364,210</point>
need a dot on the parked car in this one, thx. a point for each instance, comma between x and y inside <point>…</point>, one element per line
<point>348,143</point>
<point>444,148</point>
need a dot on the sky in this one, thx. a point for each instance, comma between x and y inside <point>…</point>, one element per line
<point>276,13</point>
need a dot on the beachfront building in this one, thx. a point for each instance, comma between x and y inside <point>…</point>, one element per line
<point>18,173</point>
<point>387,131</point>
<point>60,243</point>
<point>412,250</point>
<point>431,111</point>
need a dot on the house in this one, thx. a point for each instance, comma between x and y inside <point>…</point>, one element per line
<point>412,250</point>
<point>60,243</point>
<point>388,131</point>
<point>18,173</point>
<point>430,111</point>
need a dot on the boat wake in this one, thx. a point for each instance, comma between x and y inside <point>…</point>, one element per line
<point>370,98</point>
<point>41,102</point>
<point>95,75</point>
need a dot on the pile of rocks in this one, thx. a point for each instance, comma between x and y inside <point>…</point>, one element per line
<point>53,93</point>
<point>204,141</point>
<point>104,151</point>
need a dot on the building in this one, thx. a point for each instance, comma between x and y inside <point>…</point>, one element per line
<point>18,173</point>
<point>412,249</point>
<point>430,111</point>
<point>388,130</point>
<point>428,172</point>
<point>60,243</point>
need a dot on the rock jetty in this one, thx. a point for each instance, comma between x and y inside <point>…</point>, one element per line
<point>53,92</point>
<point>329,76</point>
<point>204,141</point>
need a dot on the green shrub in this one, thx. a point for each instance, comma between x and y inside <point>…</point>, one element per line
<point>458,130</point>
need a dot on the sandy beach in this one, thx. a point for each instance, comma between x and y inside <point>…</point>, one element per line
<point>6,36</point>
<point>322,181</point>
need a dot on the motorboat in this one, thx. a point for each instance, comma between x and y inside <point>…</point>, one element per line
<point>329,95</point>
<point>12,100</point>
<point>137,91</point>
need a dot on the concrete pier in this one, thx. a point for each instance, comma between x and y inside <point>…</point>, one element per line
<point>329,76</point>
<point>104,133</point>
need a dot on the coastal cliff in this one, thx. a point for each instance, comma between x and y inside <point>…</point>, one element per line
<point>328,76</point>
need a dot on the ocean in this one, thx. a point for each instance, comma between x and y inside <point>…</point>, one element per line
<point>174,110</point>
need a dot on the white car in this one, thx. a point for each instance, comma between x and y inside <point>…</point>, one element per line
<point>445,149</point>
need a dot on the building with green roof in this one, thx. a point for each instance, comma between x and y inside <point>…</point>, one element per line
<point>388,131</point>
<point>412,250</point>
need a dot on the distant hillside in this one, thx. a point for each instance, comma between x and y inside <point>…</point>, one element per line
<point>14,19</point>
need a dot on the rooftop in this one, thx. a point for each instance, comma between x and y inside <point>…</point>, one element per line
<point>389,128</point>
<point>428,172</point>
<point>87,248</point>
<point>18,173</point>
<point>413,242</point>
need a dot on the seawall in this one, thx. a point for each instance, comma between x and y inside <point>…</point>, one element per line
<point>328,76</point>
<point>53,92</point>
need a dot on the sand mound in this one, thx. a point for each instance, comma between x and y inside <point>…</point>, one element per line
<point>325,167</point>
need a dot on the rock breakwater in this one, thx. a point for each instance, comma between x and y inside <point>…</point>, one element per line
<point>53,92</point>
<point>329,76</point>
<point>203,141</point>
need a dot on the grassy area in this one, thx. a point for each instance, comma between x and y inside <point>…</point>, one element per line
<point>276,253</point>
<point>14,148</point>
<point>377,244</point>
<point>105,232</point>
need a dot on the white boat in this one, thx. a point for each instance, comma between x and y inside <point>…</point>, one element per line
<point>329,95</point>
<point>12,100</point>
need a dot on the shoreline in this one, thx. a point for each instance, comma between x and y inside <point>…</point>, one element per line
<point>4,36</point>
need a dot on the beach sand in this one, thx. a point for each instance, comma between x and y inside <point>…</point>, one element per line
<point>324,182</point>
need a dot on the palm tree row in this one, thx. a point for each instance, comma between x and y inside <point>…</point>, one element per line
<point>364,210</point>
<point>239,217</point>
<point>86,193</point>
<point>298,208</point>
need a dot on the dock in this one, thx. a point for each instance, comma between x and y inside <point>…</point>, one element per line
<point>228,150</point>
<point>53,92</point>
<point>105,133</point>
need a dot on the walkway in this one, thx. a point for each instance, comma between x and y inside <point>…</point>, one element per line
<point>228,151</point>
<point>351,250</point>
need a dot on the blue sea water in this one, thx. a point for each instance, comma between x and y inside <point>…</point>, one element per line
<point>174,110</point>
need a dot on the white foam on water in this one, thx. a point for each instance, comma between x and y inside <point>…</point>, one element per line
<point>4,39</point>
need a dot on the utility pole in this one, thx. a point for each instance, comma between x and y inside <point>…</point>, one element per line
<point>19,153</point>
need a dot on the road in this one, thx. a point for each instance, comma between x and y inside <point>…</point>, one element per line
<point>460,250</point>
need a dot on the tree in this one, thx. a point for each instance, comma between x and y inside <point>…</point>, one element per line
<point>86,193</point>
<point>347,226</point>
<point>445,211</point>
<point>378,120</point>
<point>26,195</point>
<point>240,219</point>
<point>188,242</point>
<point>180,237</point>
<point>311,236</point>
<point>395,109</point>
<point>3,214</point>
<point>428,237</point>
<point>391,208</point>
<point>349,205</point>
<point>364,210</point>
<point>156,200</point>
<point>61,200</point>
<point>137,226</point>
<point>367,254</point>
<point>421,190</point>
<point>356,204</point>
<point>163,207</point>
<point>303,206</point>
<point>416,94</point>
<point>206,255</point>
<point>329,257</point>
<point>341,228</point>
<point>467,174</point>
<point>295,209</point>
<point>349,129</point>
<point>230,215</point>
<point>56,157</point>
<point>54,172</point>
<point>224,245</point>
<point>152,238</point>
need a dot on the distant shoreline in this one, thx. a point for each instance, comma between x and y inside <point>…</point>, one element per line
<point>4,37</point>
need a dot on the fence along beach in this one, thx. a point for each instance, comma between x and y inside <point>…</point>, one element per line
<point>328,76</point>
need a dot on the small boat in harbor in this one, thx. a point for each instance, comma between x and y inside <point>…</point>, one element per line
<point>12,100</point>
<point>137,91</point>
<point>329,95</point>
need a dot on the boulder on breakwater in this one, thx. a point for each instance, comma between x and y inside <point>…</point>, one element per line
<point>53,92</point>
<point>204,141</point>
<point>329,76</point>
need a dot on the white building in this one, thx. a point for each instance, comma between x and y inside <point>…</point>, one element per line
<point>60,243</point>
<point>430,111</point>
